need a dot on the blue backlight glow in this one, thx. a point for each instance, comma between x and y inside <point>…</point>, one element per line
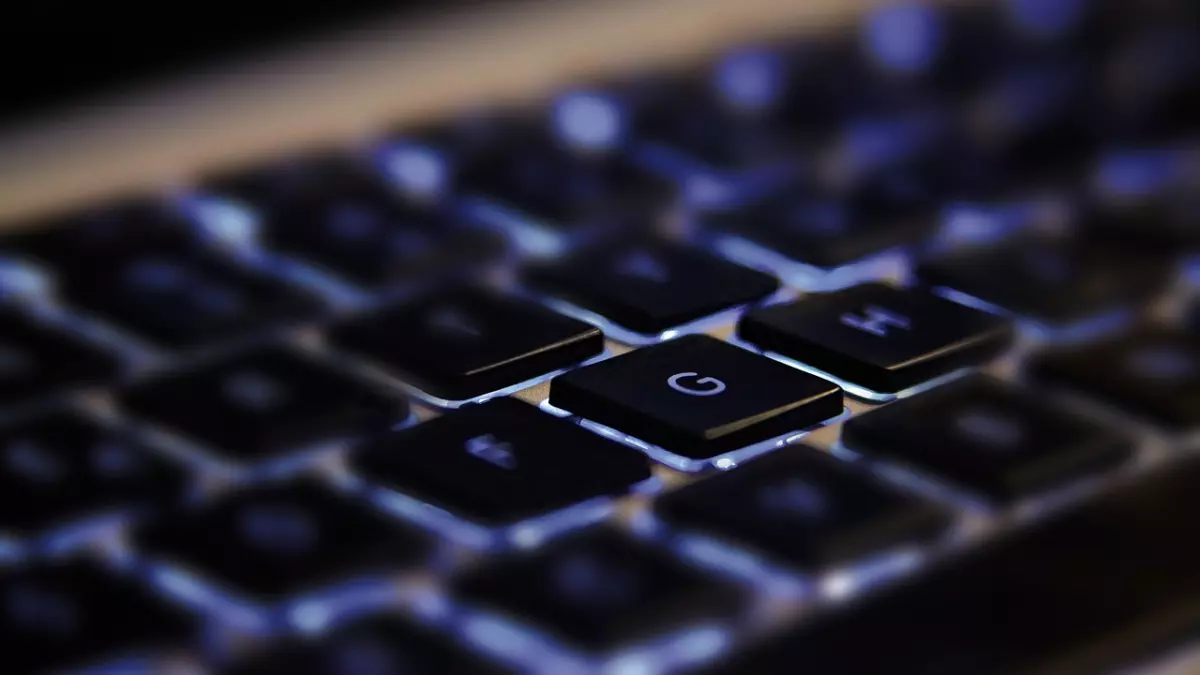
<point>1047,19</point>
<point>904,37</point>
<point>751,78</point>
<point>589,121</point>
<point>417,170</point>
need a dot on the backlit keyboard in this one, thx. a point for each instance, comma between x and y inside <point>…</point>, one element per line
<point>865,352</point>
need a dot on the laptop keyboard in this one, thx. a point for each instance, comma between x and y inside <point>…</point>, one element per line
<point>871,351</point>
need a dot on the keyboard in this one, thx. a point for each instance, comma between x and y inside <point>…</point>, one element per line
<point>856,352</point>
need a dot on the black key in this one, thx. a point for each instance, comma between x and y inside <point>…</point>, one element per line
<point>1152,83</point>
<point>598,589</point>
<point>463,342</point>
<point>1053,280</point>
<point>263,402</point>
<point>883,338</point>
<point>377,245</point>
<point>37,359</point>
<point>511,159</point>
<point>290,181</point>
<point>377,645</point>
<point>804,507</point>
<point>1033,120</point>
<point>697,396</point>
<point>274,541</point>
<point>63,615</point>
<point>1152,373</point>
<point>500,462</point>
<point>61,467</point>
<point>85,243</point>
<point>1088,591</point>
<point>650,286</point>
<point>878,152</point>
<point>991,439</point>
<point>564,189</point>
<point>187,301</point>
<point>827,231</point>
<point>331,209</point>
<point>1145,196</point>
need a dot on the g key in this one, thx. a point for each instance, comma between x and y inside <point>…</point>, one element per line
<point>697,396</point>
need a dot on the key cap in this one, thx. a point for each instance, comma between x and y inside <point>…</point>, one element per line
<point>376,645</point>
<point>37,359</point>
<point>281,184</point>
<point>883,338</point>
<point>803,507</point>
<point>650,286</point>
<point>1033,118</point>
<point>85,243</point>
<point>828,232</point>
<point>463,342</point>
<point>377,245</point>
<point>180,302</point>
<point>1150,82</point>
<point>993,440</point>
<point>697,396</point>
<point>500,462</point>
<point>872,149</point>
<point>72,614</point>
<point>1050,280</point>
<point>598,589</point>
<point>563,189</point>
<point>1144,196</point>
<point>274,541</point>
<point>60,467</point>
<point>1153,373</point>
<point>512,159</point>
<point>1087,591</point>
<point>263,402</point>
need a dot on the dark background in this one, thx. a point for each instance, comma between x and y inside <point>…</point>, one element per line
<point>56,54</point>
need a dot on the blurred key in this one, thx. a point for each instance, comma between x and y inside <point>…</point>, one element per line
<point>803,507</point>
<point>877,336</point>
<point>1095,589</point>
<point>1145,196</point>
<point>1033,120</point>
<point>1152,83</point>
<point>513,160</point>
<point>86,242</point>
<point>697,396</point>
<point>500,462</point>
<point>562,189</point>
<point>1153,373</point>
<point>377,245</point>
<point>649,286</point>
<point>828,231</point>
<point>989,438</point>
<point>376,645</point>
<point>37,359</point>
<point>463,342</point>
<point>274,541</point>
<point>263,402</point>
<point>598,590</point>
<point>68,615</point>
<point>61,467</point>
<point>287,181</point>
<point>188,301</point>
<point>718,134</point>
<point>1058,281</point>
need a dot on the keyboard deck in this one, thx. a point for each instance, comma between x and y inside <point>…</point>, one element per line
<point>872,352</point>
